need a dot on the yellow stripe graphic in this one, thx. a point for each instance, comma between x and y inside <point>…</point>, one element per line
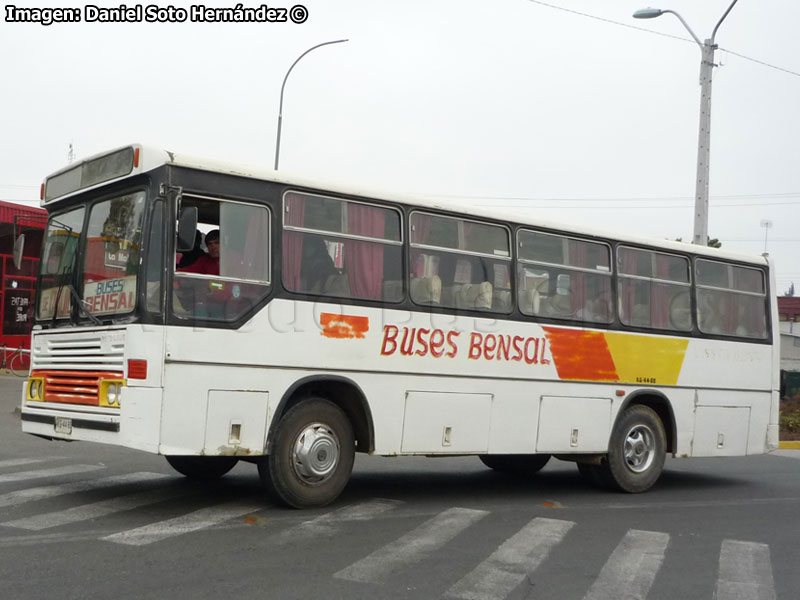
<point>644,359</point>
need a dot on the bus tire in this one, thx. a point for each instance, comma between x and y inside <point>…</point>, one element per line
<point>312,455</point>
<point>202,467</point>
<point>517,464</point>
<point>637,449</point>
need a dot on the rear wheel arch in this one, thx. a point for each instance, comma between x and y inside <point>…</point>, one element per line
<point>341,391</point>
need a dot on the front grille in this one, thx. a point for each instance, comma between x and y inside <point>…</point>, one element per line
<point>74,387</point>
<point>90,351</point>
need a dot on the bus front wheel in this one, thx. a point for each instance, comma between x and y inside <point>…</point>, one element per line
<point>202,467</point>
<point>637,450</point>
<point>312,455</point>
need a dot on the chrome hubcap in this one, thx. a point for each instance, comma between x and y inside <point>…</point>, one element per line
<point>315,453</point>
<point>640,448</point>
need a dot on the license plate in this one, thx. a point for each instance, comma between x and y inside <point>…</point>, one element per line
<point>63,425</point>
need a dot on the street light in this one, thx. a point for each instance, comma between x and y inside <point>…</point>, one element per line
<point>283,86</point>
<point>707,49</point>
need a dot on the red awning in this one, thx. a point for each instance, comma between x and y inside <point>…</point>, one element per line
<point>27,216</point>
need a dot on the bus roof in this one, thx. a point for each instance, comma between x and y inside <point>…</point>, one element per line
<point>151,157</point>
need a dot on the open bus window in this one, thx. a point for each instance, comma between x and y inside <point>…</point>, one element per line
<point>228,271</point>
<point>341,248</point>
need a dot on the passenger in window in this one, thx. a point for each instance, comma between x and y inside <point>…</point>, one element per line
<point>206,264</point>
<point>317,265</point>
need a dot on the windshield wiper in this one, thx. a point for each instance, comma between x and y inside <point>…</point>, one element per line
<point>66,277</point>
<point>81,305</point>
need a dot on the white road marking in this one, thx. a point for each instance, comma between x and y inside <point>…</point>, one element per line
<point>96,509</point>
<point>630,570</point>
<point>745,572</point>
<point>194,521</point>
<point>326,525</point>
<point>50,491</point>
<point>54,472</point>
<point>512,562</point>
<point>412,547</point>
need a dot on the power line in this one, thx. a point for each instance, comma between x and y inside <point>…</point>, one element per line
<point>612,198</point>
<point>761,62</point>
<point>667,35</point>
<point>603,19</point>
<point>629,207</point>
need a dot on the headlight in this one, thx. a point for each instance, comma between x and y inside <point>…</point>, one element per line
<point>110,392</point>
<point>113,393</point>
<point>36,389</point>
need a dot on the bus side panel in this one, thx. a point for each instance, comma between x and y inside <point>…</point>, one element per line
<point>731,423</point>
<point>214,410</point>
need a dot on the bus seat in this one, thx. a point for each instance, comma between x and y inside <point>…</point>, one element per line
<point>530,301</point>
<point>426,290</point>
<point>473,295</point>
<point>680,312</point>
<point>501,300</point>
<point>558,305</point>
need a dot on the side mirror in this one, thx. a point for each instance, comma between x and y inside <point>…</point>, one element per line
<point>187,226</point>
<point>19,246</point>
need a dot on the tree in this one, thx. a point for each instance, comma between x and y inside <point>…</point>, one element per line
<point>790,292</point>
<point>712,242</point>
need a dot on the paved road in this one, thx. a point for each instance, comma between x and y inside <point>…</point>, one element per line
<point>88,521</point>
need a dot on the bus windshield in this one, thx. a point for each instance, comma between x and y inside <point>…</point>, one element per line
<point>105,250</point>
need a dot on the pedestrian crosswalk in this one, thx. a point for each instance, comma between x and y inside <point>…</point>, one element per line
<point>509,565</point>
<point>499,570</point>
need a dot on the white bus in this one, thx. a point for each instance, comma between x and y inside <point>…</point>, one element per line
<point>335,321</point>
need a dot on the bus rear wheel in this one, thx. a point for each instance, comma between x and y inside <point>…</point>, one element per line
<point>517,464</point>
<point>202,467</point>
<point>637,450</point>
<point>312,455</point>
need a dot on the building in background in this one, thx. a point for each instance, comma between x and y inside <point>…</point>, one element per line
<point>789,316</point>
<point>16,291</point>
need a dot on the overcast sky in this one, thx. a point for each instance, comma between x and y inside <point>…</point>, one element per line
<point>567,109</point>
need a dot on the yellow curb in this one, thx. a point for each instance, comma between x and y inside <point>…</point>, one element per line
<point>789,445</point>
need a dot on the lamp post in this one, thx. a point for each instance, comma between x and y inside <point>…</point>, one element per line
<point>707,49</point>
<point>283,86</point>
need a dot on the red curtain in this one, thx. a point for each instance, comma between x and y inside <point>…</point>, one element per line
<point>578,257</point>
<point>660,294</point>
<point>364,260</point>
<point>420,234</point>
<point>628,286</point>
<point>295,211</point>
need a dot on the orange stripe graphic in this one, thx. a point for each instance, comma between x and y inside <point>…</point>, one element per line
<point>581,355</point>
<point>343,326</point>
